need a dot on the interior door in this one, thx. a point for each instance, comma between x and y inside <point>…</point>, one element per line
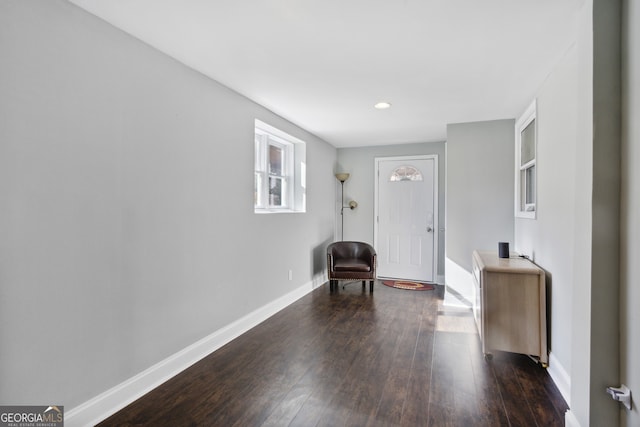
<point>406,217</point>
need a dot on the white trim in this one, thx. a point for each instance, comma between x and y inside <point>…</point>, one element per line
<point>109,402</point>
<point>570,420</point>
<point>268,129</point>
<point>560,377</point>
<point>436,196</point>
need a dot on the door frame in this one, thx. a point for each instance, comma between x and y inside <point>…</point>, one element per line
<point>436,226</point>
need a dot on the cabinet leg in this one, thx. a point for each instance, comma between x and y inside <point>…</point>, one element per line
<point>545,365</point>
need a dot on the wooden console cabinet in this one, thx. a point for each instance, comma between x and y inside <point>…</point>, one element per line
<point>510,305</point>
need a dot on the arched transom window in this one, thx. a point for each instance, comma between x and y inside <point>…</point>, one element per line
<point>405,173</point>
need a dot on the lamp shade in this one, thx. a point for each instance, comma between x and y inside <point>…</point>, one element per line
<point>342,177</point>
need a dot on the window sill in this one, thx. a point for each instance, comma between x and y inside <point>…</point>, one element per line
<point>526,215</point>
<point>275,211</point>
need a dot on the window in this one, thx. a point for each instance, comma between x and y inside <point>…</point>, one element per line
<point>279,176</point>
<point>526,141</point>
<point>405,173</point>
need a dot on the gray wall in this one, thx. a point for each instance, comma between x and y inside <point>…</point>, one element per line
<point>549,239</point>
<point>605,264</point>
<point>578,398</point>
<point>126,207</point>
<point>595,340</point>
<point>630,227</point>
<point>575,237</point>
<point>360,163</point>
<point>479,211</point>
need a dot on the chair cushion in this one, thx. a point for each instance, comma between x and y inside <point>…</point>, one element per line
<point>350,264</point>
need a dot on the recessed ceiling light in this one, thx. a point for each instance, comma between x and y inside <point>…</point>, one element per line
<point>382,105</point>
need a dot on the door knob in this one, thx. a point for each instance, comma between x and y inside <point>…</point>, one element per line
<point>429,229</point>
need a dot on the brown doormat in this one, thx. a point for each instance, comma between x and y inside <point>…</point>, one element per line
<point>404,284</point>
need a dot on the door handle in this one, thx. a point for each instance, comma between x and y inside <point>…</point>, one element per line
<point>429,229</point>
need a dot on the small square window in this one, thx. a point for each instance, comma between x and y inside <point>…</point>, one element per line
<point>526,152</point>
<point>279,181</point>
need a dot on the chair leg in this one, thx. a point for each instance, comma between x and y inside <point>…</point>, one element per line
<point>370,286</point>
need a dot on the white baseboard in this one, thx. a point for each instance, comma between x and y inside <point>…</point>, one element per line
<point>560,377</point>
<point>102,406</point>
<point>570,420</point>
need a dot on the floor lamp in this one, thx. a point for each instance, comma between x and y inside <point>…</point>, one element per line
<point>342,177</point>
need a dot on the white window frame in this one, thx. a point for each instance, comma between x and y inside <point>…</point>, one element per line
<point>526,208</point>
<point>292,174</point>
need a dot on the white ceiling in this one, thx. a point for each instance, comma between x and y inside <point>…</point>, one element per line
<point>323,64</point>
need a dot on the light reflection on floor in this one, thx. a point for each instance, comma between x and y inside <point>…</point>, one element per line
<point>455,319</point>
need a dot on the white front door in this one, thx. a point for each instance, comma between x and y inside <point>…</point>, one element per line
<point>406,217</point>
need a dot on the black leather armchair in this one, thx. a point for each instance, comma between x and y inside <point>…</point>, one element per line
<point>351,261</point>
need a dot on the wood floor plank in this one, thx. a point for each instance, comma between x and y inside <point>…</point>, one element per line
<point>416,406</point>
<point>395,390</point>
<point>516,404</point>
<point>393,358</point>
<point>535,386</point>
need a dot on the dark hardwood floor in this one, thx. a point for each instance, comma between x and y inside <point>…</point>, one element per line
<point>394,358</point>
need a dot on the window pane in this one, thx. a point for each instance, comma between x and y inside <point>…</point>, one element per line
<point>276,191</point>
<point>530,179</point>
<point>528,143</point>
<point>276,160</point>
